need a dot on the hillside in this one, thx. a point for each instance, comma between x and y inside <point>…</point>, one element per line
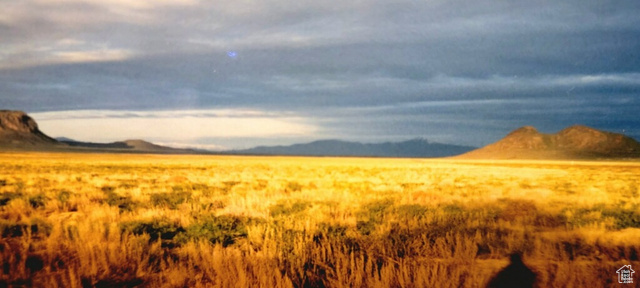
<point>575,142</point>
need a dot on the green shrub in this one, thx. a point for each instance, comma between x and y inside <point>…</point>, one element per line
<point>366,227</point>
<point>624,218</point>
<point>453,209</point>
<point>156,229</point>
<point>376,210</point>
<point>223,229</point>
<point>63,196</point>
<point>550,220</point>
<point>170,200</point>
<point>372,214</point>
<point>411,212</point>
<point>124,203</point>
<point>286,208</point>
<point>332,230</point>
<point>579,217</point>
<point>215,229</point>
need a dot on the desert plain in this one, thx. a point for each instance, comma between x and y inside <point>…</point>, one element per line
<point>125,220</point>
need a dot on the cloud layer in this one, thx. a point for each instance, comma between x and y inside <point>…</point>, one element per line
<point>179,128</point>
<point>450,71</point>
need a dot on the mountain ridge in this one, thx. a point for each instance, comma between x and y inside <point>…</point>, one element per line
<point>133,145</point>
<point>332,147</point>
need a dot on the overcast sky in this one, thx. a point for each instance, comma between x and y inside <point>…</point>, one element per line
<point>241,73</point>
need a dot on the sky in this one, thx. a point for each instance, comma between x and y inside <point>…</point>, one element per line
<point>236,74</point>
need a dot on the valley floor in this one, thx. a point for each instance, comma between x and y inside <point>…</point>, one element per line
<point>104,220</point>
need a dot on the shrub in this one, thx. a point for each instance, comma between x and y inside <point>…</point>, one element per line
<point>372,215</point>
<point>453,209</point>
<point>366,227</point>
<point>214,205</point>
<point>161,229</point>
<point>108,189</point>
<point>293,187</point>
<point>337,234</point>
<point>124,203</point>
<point>63,196</point>
<point>287,208</point>
<point>215,229</point>
<point>411,212</point>
<point>40,226</point>
<point>227,186</point>
<point>331,231</point>
<point>403,242</point>
<point>170,200</point>
<point>376,210</point>
<point>37,201</point>
<point>17,229</point>
<point>550,220</point>
<point>223,229</point>
<point>624,218</point>
<point>581,216</point>
<point>6,197</point>
<point>179,188</point>
<point>128,184</point>
<point>11,229</point>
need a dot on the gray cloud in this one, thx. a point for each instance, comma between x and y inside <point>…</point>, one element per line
<point>455,71</point>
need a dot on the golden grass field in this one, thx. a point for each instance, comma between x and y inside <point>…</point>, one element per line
<point>105,220</point>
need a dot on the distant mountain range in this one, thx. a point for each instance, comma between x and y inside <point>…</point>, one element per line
<point>18,131</point>
<point>126,146</point>
<point>575,142</point>
<point>410,148</point>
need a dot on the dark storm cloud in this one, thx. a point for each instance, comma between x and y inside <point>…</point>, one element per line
<point>458,71</point>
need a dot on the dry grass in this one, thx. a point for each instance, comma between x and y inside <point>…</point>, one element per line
<point>98,220</point>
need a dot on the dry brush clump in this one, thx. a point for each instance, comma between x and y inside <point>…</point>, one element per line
<point>73,220</point>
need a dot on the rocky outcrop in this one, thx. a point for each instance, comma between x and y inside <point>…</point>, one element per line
<point>18,129</point>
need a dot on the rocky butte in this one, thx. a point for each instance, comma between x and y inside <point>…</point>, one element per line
<point>19,130</point>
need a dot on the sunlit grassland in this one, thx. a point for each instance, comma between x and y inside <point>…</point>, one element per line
<point>74,220</point>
